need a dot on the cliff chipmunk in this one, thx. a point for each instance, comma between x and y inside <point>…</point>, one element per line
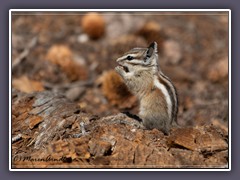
<point>156,93</point>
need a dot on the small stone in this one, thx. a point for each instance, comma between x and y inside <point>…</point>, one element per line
<point>82,38</point>
<point>93,24</point>
<point>218,71</point>
<point>172,51</point>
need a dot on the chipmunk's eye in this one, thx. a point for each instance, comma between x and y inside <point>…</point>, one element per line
<point>129,58</point>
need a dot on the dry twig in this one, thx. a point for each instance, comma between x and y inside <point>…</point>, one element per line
<point>25,53</point>
<point>68,85</point>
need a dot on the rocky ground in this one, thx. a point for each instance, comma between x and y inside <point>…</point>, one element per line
<point>71,110</point>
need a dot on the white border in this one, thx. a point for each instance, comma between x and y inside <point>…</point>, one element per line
<point>116,10</point>
<point>229,90</point>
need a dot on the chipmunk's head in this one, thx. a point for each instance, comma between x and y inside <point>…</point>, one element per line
<point>138,59</point>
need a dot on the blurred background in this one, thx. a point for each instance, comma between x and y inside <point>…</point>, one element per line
<point>74,53</point>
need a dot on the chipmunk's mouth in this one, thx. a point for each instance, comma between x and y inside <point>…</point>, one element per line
<point>125,68</point>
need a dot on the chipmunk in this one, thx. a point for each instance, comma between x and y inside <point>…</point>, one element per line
<point>157,95</point>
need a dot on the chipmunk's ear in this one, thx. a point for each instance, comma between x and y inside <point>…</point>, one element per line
<point>152,49</point>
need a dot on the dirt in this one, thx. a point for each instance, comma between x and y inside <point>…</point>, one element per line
<point>64,84</point>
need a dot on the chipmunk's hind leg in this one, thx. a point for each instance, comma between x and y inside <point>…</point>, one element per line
<point>159,123</point>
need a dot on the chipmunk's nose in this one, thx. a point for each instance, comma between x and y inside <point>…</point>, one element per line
<point>119,60</point>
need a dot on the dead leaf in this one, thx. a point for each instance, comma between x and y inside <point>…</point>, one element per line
<point>26,85</point>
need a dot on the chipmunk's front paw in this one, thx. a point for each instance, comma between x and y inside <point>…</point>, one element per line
<point>120,70</point>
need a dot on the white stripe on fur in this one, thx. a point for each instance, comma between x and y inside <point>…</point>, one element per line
<point>166,95</point>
